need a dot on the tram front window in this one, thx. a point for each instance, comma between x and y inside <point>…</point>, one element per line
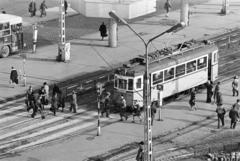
<point>130,84</point>
<point>122,84</point>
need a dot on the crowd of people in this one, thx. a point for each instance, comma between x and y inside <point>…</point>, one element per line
<point>38,100</point>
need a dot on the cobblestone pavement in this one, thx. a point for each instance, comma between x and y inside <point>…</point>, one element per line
<point>76,25</point>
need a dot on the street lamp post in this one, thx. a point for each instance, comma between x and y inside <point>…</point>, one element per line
<point>146,92</point>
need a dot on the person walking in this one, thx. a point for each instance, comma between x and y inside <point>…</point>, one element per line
<point>209,86</point>
<point>216,90</point>
<point>235,86</point>
<point>154,106</point>
<point>43,8</point>
<point>29,98</point>
<point>65,6</point>
<point>140,153</point>
<point>54,104</point>
<point>46,88</point>
<point>103,30</point>
<point>234,116</point>
<point>220,115</point>
<point>123,107</point>
<point>74,105</point>
<point>219,99</point>
<point>55,89</point>
<point>192,101</point>
<point>61,100</point>
<point>42,94</point>
<point>167,7</point>
<point>106,105</point>
<point>32,8</point>
<point>13,77</point>
<point>237,104</point>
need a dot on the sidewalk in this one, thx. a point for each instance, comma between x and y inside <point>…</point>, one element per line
<point>90,54</point>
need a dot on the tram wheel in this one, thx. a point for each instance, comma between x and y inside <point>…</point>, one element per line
<point>4,51</point>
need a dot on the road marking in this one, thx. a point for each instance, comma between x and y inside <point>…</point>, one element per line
<point>53,136</point>
<point>11,109</point>
<point>11,102</point>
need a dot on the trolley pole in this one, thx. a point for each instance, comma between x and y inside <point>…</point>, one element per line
<point>35,33</point>
<point>148,154</point>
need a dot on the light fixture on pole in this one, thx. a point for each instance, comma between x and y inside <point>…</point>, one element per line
<point>146,92</point>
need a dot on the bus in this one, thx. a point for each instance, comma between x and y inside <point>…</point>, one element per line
<point>173,70</point>
<point>11,34</point>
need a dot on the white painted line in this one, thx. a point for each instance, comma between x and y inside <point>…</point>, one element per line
<point>12,109</point>
<point>101,77</point>
<point>88,81</point>
<point>53,136</point>
<point>223,45</point>
<point>11,102</point>
<point>234,41</point>
<point>75,85</point>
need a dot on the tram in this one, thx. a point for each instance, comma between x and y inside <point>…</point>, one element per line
<point>176,69</point>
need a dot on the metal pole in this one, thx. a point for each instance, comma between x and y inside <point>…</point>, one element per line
<point>98,105</point>
<point>160,97</point>
<point>24,73</point>
<point>35,32</point>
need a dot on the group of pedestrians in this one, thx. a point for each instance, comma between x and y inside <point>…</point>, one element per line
<point>38,100</point>
<point>32,8</point>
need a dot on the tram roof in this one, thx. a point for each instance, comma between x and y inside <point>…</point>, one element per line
<point>12,19</point>
<point>172,60</point>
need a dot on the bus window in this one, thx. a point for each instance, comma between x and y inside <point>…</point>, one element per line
<point>130,84</point>
<point>115,82</point>
<point>157,78</point>
<point>191,66</point>
<point>139,83</point>
<point>168,74</point>
<point>202,62</point>
<point>122,84</point>
<point>180,70</point>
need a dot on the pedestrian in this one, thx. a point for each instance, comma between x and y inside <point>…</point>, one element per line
<point>123,107</point>
<point>154,106</point>
<point>140,153</point>
<point>103,30</point>
<point>65,6</point>
<point>235,86</point>
<point>29,98</point>
<point>42,94</point>
<point>13,77</point>
<point>192,101</point>
<point>36,103</point>
<point>167,7</point>
<point>61,100</point>
<point>219,99</point>
<point>234,116</point>
<point>106,105</point>
<point>220,114</point>
<point>54,104</point>
<point>55,89</point>
<point>136,111</point>
<point>32,8</point>
<point>209,86</point>
<point>46,88</point>
<point>237,104</point>
<point>216,90</point>
<point>74,105</point>
<point>43,8</point>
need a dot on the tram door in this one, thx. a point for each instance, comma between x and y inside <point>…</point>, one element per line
<point>213,66</point>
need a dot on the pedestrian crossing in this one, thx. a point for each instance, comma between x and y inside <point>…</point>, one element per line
<point>18,131</point>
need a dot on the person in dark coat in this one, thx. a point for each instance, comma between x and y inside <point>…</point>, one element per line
<point>192,101</point>
<point>234,116</point>
<point>43,8</point>
<point>74,105</point>
<point>103,30</point>
<point>123,107</point>
<point>32,8</point>
<point>140,153</point>
<point>216,90</point>
<point>106,105</point>
<point>154,106</point>
<point>219,99</point>
<point>209,86</point>
<point>167,7</point>
<point>14,76</point>
<point>61,100</point>
<point>235,86</point>
<point>54,104</point>
<point>55,89</point>
<point>65,6</point>
<point>220,114</point>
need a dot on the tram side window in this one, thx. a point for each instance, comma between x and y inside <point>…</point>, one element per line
<point>139,83</point>
<point>180,70</point>
<point>130,84</point>
<point>202,62</point>
<point>191,66</point>
<point>122,84</point>
<point>157,78</point>
<point>168,74</point>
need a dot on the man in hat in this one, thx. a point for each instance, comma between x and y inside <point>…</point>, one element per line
<point>235,86</point>
<point>123,107</point>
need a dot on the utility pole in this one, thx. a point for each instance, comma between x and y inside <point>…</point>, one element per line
<point>184,12</point>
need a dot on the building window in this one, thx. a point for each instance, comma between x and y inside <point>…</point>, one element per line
<point>191,66</point>
<point>180,70</point>
<point>157,78</point>
<point>168,74</point>
<point>202,62</point>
